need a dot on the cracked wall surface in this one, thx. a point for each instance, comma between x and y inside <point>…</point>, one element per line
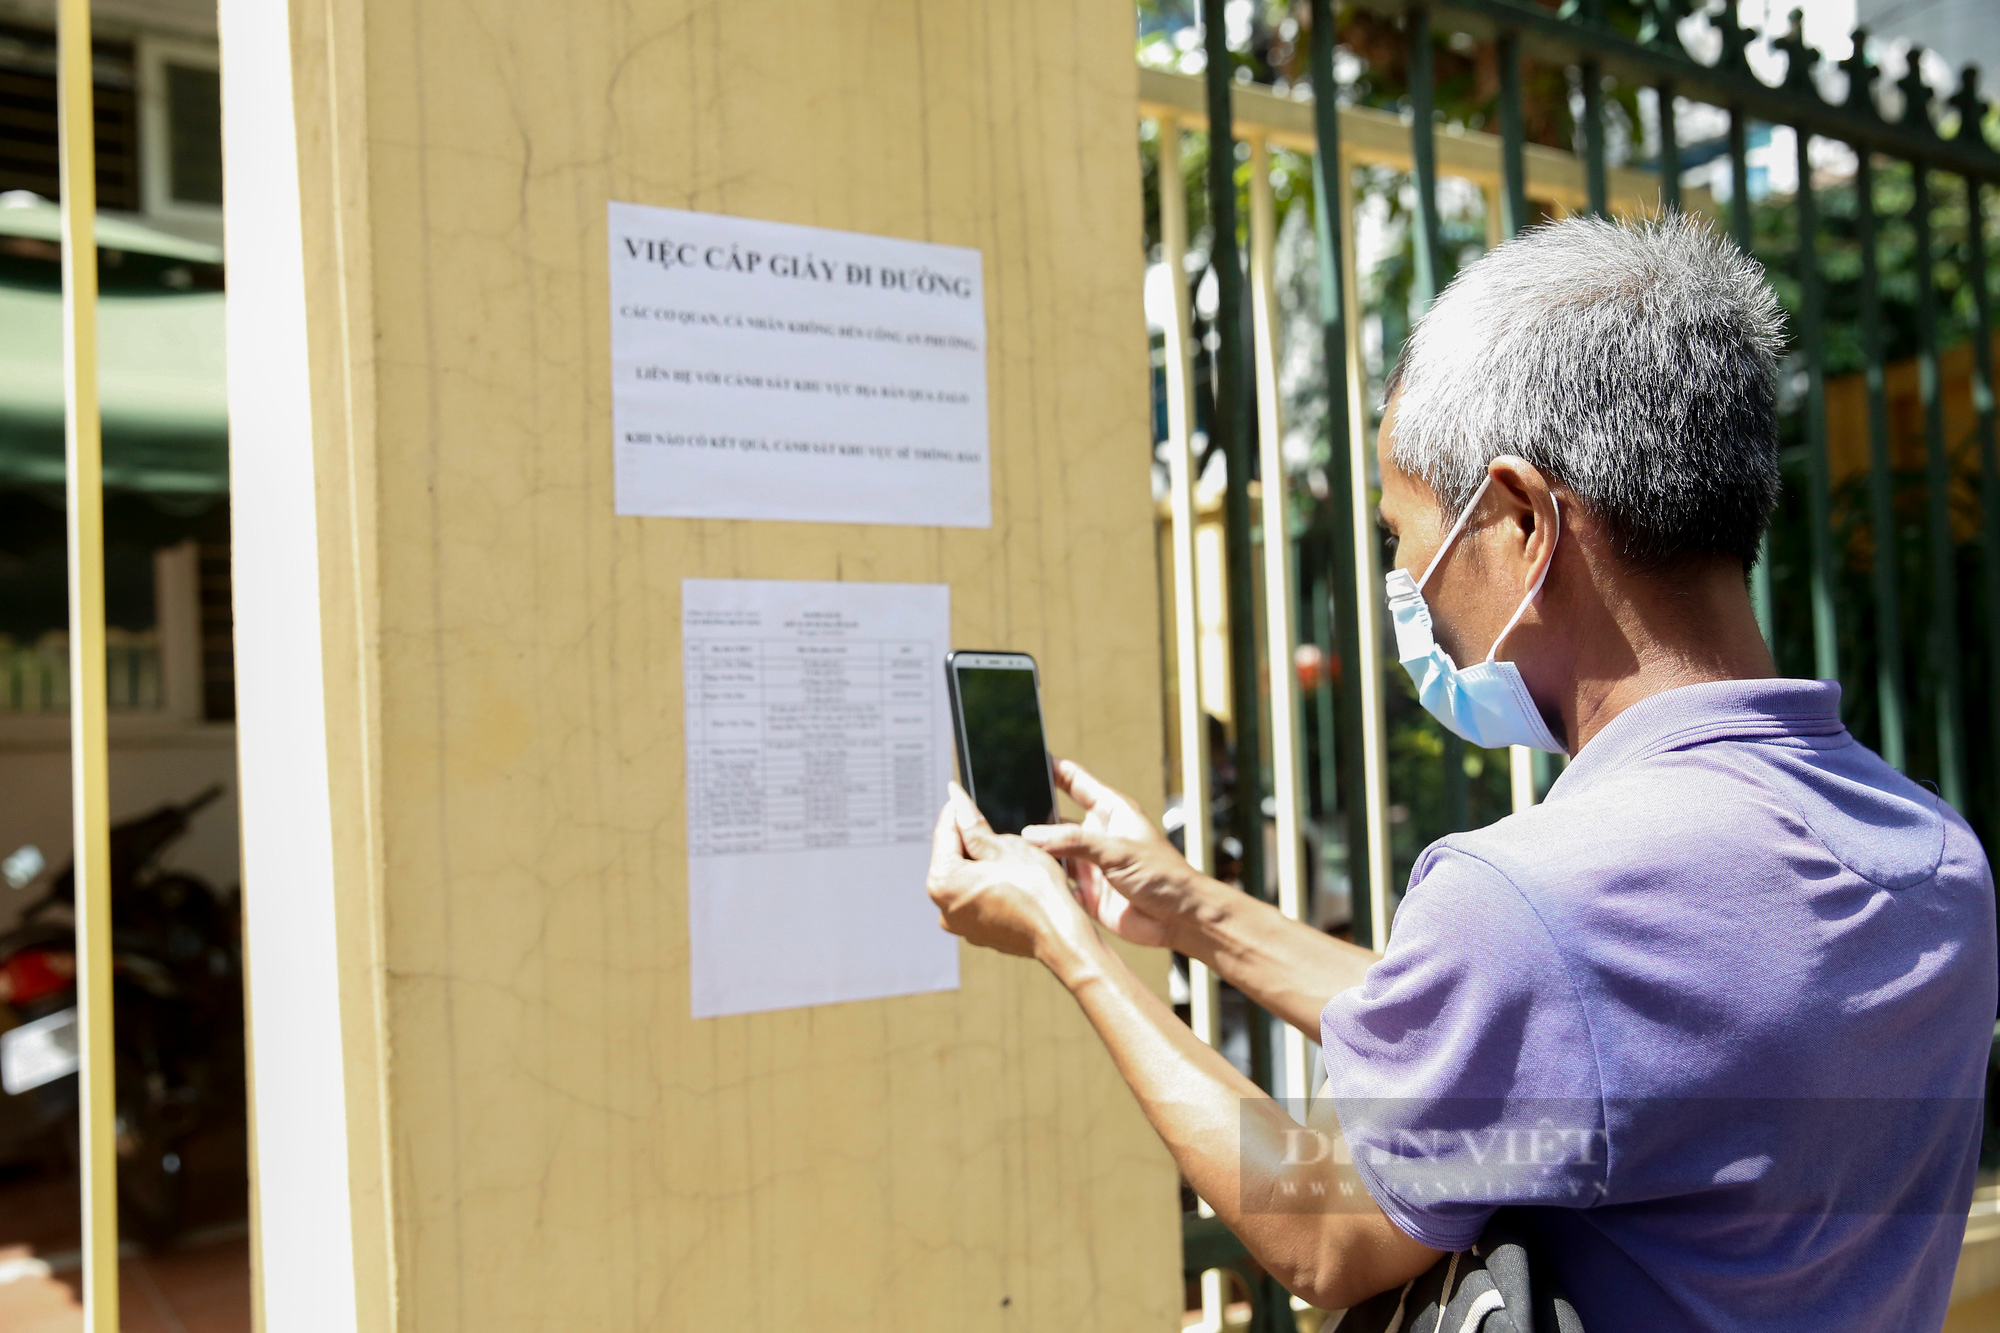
<point>539,1135</point>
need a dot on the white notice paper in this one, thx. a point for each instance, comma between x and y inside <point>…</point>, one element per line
<point>818,745</point>
<point>762,370</point>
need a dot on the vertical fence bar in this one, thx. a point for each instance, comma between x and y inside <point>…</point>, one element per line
<point>1596,186</point>
<point>1232,427</point>
<point>1989,445</point>
<point>1192,724</point>
<point>1513,217</point>
<point>1423,156</point>
<point>1591,74</point>
<point>89,739</point>
<point>1741,231</point>
<point>1739,181</point>
<point>1937,483</point>
<point>1521,776</point>
<point>1819,500</point>
<point>1513,135</point>
<point>1890,691</point>
<point>1280,595</point>
<point>1457,786</point>
<point>1670,148</point>
<point>1361,782</point>
<point>1319,597</point>
<point>1429,278</point>
<point>1367,664</point>
<point>1545,770</point>
<point>1204,995</point>
<point>1191,720</point>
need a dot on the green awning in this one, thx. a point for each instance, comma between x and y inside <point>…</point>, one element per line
<point>160,385</point>
<point>30,215</point>
<point>160,363</point>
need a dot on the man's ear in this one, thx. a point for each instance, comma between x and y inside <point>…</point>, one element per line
<point>1527,501</point>
<point>1515,483</point>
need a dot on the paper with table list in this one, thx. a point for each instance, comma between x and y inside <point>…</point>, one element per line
<point>818,746</point>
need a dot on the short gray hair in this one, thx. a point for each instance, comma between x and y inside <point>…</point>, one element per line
<point>1634,363</point>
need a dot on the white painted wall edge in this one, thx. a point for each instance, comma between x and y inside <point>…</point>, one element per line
<point>305,1236</point>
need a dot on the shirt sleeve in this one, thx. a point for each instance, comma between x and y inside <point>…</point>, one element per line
<point>1462,1069</point>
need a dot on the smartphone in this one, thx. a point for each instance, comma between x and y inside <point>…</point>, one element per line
<point>1003,758</point>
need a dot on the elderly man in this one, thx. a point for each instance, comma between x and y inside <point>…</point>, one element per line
<point>1716,1013</point>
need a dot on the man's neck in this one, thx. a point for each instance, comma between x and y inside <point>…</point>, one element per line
<point>1662,634</point>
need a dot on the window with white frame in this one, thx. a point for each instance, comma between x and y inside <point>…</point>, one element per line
<point>180,87</point>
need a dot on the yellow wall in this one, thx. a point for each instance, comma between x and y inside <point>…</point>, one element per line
<point>537,1135</point>
<point>1847,428</point>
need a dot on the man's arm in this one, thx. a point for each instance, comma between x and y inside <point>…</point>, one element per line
<point>1235,1145</point>
<point>1135,883</point>
<point>1240,1150</point>
<point>1283,965</point>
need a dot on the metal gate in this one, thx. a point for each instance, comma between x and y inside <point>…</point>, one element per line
<point>1883,567</point>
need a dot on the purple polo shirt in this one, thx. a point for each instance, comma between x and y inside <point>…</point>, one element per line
<point>1717,1012</point>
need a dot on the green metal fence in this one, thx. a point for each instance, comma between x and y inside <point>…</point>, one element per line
<point>1887,579</point>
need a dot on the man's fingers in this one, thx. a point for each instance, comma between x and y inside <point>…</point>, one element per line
<point>981,843</point>
<point>946,850</point>
<point>1084,789</point>
<point>1067,840</point>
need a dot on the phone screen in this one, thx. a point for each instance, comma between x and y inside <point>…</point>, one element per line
<point>1002,756</point>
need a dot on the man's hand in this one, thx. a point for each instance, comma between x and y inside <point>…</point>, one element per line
<point>1230,1139</point>
<point>1000,893</point>
<point>1127,874</point>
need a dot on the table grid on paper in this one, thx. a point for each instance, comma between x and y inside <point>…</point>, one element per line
<point>801,743</point>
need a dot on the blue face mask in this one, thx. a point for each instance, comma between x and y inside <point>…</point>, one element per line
<point>1488,704</point>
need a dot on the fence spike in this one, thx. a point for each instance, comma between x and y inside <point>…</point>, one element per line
<point>1917,97</point>
<point>1799,59</point>
<point>1971,108</point>
<point>1861,76</point>
<point>1659,26</point>
<point>1735,40</point>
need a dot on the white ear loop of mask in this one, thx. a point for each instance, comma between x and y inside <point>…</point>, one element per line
<point>1450,537</point>
<point>1464,517</point>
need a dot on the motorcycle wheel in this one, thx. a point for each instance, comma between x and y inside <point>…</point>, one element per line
<point>152,1181</point>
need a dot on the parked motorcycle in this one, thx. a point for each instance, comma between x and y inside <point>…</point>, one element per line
<point>177,1016</point>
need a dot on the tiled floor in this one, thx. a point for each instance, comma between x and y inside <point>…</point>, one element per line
<point>202,1289</point>
<point>38,1215</point>
<point>199,1286</point>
